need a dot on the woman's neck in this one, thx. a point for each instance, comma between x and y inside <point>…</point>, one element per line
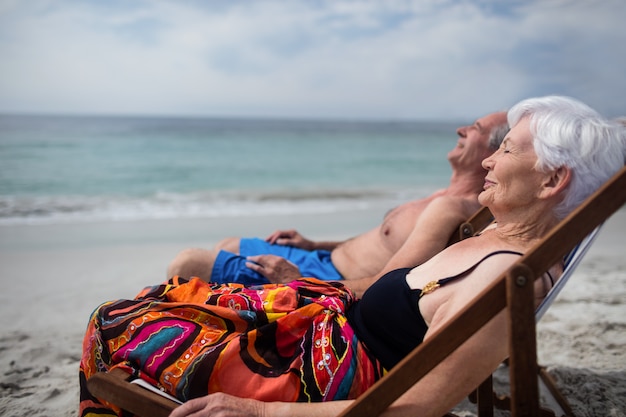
<point>523,229</point>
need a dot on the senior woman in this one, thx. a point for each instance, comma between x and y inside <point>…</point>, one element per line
<point>308,348</point>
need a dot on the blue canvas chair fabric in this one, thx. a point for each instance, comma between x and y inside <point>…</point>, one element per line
<point>571,262</point>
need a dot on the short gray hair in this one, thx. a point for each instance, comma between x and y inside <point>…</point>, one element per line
<point>497,135</point>
<point>568,133</point>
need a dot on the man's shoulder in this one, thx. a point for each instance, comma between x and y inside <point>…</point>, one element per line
<point>454,205</point>
<point>423,201</point>
<point>442,204</point>
<point>453,200</point>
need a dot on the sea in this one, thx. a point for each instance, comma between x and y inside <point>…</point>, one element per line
<point>72,169</point>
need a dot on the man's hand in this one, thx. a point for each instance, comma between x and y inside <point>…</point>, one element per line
<point>290,238</point>
<point>276,269</point>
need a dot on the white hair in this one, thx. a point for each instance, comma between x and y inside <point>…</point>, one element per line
<point>568,133</point>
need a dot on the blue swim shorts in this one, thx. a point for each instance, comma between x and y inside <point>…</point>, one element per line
<point>229,267</point>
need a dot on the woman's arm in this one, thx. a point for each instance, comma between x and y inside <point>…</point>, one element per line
<point>458,375</point>
<point>468,366</point>
<point>438,392</point>
<point>224,405</point>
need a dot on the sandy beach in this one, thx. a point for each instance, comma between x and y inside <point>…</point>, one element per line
<point>55,275</point>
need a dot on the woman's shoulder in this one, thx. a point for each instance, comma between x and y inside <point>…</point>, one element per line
<point>469,254</point>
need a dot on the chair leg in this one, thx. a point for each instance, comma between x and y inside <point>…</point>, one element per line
<point>484,398</point>
<point>561,404</point>
<point>523,346</point>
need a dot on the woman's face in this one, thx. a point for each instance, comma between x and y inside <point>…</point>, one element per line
<point>512,182</point>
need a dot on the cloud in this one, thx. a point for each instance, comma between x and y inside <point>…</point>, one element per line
<point>344,59</point>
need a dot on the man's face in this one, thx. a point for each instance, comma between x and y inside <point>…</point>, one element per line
<point>473,144</point>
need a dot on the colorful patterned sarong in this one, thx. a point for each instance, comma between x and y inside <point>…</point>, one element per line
<point>270,342</point>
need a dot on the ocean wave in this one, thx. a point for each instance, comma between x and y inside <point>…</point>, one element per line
<point>16,210</point>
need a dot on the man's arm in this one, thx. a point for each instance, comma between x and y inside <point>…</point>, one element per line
<point>276,269</point>
<point>429,236</point>
<point>431,233</point>
<point>295,239</point>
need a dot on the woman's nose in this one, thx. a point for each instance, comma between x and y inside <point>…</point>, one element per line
<point>487,163</point>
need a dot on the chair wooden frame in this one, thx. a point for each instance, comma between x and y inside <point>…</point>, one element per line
<point>476,223</point>
<point>117,387</point>
<point>557,402</point>
<point>513,291</point>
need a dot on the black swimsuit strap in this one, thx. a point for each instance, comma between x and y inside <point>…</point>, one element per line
<point>498,252</point>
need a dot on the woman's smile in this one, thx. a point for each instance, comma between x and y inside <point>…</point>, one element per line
<point>488,184</point>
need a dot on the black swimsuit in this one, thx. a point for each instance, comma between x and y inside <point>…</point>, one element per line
<point>388,320</point>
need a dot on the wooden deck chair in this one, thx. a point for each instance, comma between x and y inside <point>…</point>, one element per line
<point>555,401</point>
<point>513,291</point>
<point>141,398</point>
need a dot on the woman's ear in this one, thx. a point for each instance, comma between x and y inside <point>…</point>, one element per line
<point>556,181</point>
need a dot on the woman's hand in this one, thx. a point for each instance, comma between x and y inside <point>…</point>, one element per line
<point>220,405</point>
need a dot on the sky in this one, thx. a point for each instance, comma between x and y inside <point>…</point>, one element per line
<point>338,59</point>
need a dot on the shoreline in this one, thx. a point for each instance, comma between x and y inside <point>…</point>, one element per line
<point>55,275</point>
